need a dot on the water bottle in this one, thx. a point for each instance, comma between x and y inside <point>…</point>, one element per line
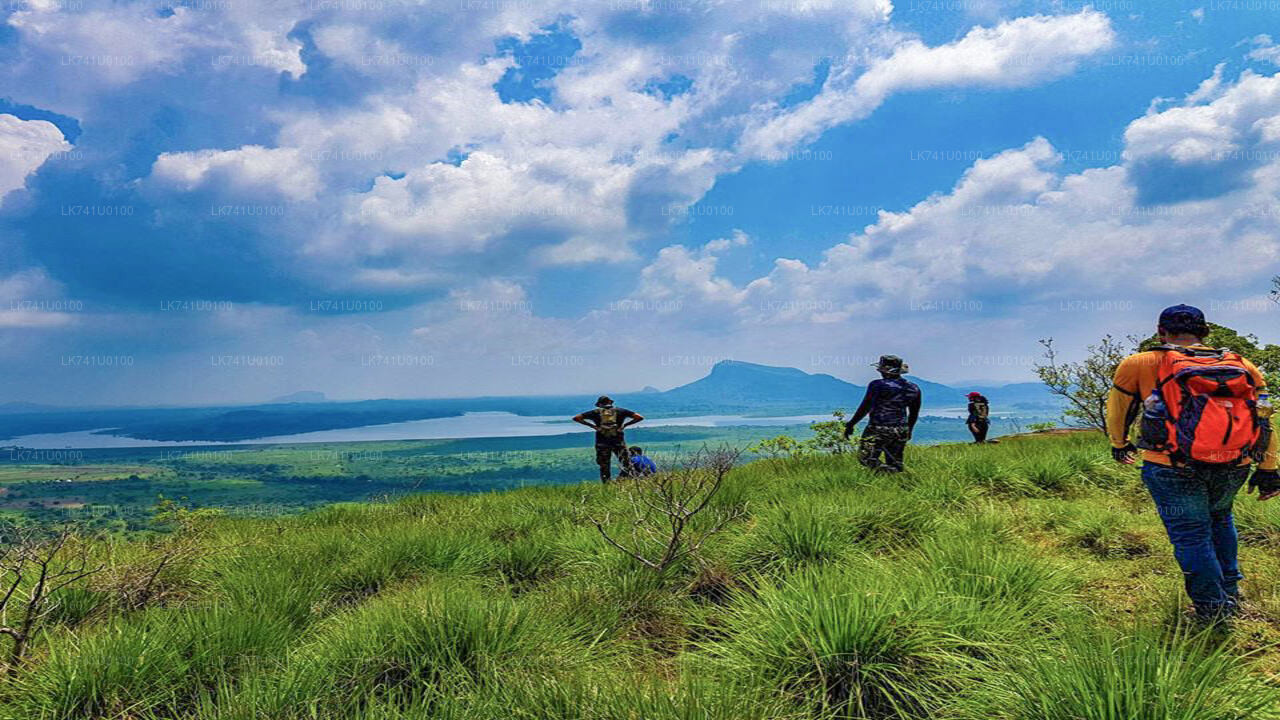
<point>1264,406</point>
<point>1152,432</point>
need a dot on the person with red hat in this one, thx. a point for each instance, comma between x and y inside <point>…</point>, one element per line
<point>979,417</point>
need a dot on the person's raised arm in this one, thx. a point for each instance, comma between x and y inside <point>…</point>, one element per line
<point>632,419</point>
<point>581,419</point>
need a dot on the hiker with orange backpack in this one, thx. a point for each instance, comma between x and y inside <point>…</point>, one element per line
<point>1205,419</point>
<point>609,422</point>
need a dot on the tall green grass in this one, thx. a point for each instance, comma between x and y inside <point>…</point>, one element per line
<point>154,663</point>
<point>1137,675</point>
<point>860,641</point>
<point>988,581</point>
<point>409,649</point>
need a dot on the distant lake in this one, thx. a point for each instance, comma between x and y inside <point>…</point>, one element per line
<point>468,425</point>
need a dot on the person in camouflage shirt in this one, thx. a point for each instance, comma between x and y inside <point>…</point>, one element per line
<point>892,404</point>
<point>609,422</point>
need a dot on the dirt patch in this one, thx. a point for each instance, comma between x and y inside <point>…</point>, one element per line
<point>713,585</point>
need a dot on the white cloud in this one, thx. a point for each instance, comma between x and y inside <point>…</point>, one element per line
<point>1209,133</point>
<point>25,145</point>
<point>114,45</point>
<point>1264,49</point>
<point>362,139</point>
<point>1016,226</point>
<point>579,180</point>
<point>681,280</point>
<point>31,299</point>
<point>251,168</point>
<point>1014,53</point>
<point>1209,89</point>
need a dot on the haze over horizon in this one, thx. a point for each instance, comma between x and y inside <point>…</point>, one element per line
<point>225,202</point>
<point>313,396</point>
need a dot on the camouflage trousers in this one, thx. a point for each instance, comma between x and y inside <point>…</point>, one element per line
<point>887,440</point>
<point>605,452</point>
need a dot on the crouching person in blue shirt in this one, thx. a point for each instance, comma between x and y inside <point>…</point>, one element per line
<point>640,463</point>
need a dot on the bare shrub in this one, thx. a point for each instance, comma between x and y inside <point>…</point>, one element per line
<point>661,509</point>
<point>34,566</point>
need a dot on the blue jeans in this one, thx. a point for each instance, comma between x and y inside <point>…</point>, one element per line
<point>1195,505</point>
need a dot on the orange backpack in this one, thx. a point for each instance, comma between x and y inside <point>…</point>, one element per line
<point>1203,409</point>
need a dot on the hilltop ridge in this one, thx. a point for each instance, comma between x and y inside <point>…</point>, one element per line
<point>511,605</point>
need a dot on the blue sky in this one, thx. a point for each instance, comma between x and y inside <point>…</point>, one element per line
<point>219,201</point>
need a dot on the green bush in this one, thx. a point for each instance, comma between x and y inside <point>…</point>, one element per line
<point>854,640</point>
<point>1143,675</point>
<point>154,662</point>
<point>409,649</point>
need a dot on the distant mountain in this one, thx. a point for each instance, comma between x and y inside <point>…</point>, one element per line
<point>939,395</point>
<point>649,389</point>
<point>302,396</point>
<point>733,383</point>
<point>733,386</point>
<point>25,407</point>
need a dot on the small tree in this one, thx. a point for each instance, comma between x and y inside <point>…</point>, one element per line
<point>777,447</point>
<point>662,507</point>
<point>32,570</point>
<point>1085,384</point>
<point>828,437</point>
<point>144,581</point>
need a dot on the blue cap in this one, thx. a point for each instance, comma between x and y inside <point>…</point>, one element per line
<point>1183,317</point>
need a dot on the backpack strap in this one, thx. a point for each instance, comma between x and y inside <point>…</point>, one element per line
<point>1162,372</point>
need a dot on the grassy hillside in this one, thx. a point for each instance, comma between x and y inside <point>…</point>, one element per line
<point>1021,581</point>
<point>116,488</point>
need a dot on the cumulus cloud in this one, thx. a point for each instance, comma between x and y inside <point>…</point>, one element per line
<point>31,299</point>
<point>1015,242</point>
<point>1012,54</point>
<point>402,165</point>
<point>25,145</point>
<point>684,282</point>
<point>252,168</point>
<point>1015,229</point>
<point>1210,145</point>
<point>406,174</point>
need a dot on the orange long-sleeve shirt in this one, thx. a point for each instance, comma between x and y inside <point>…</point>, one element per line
<point>1134,381</point>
